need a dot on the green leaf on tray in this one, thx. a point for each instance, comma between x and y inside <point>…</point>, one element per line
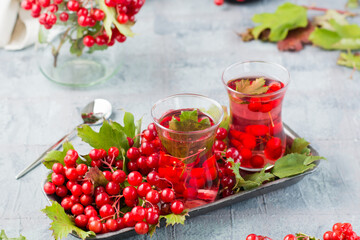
<point>63,224</point>
<point>299,145</point>
<point>4,237</point>
<point>172,219</point>
<point>349,60</point>
<point>137,133</point>
<point>251,87</point>
<point>152,230</point>
<point>287,16</point>
<point>96,176</point>
<point>57,156</point>
<point>129,125</point>
<point>250,181</point>
<point>346,36</point>
<point>296,161</point>
<point>293,164</point>
<point>189,122</point>
<point>110,19</point>
<point>108,136</point>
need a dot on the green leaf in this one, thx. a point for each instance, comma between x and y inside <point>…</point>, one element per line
<point>310,159</point>
<point>110,19</point>
<point>48,178</point>
<point>4,237</point>
<point>349,60</point>
<point>323,21</point>
<point>42,36</point>
<point>129,124</point>
<point>77,47</point>
<point>294,164</point>
<point>152,230</point>
<point>251,87</point>
<point>342,37</point>
<point>287,16</point>
<point>172,219</point>
<point>189,122</point>
<point>107,137</point>
<point>302,236</point>
<point>96,176</point>
<point>63,224</point>
<point>250,181</point>
<point>57,156</point>
<point>137,133</point>
<point>299,145</point>
<point>97,48</point>
<point>352,3</point>
<point>235,169</point>
<point>258,179</point>
<point>84,159</point>
<point>80,31</point>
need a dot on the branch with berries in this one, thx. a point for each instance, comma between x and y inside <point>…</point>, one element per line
<point>91,24</point>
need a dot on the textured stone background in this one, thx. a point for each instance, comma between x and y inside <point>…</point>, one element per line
<point>183,46</point>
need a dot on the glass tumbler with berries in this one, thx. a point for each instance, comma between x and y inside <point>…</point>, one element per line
<point>186,125</point>
<point>256,91</point>
<point>74,34</point>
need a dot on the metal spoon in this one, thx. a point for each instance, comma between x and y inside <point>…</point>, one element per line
<point>93,113</point>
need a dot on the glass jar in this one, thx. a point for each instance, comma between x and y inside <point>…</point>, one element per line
<point>187,160</point>
<point>256,128</point>
<point>64,61</point>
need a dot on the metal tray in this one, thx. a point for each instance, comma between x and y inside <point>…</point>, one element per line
<point>220,203</point>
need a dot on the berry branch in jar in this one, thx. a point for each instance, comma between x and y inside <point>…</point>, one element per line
<point>88,24</point>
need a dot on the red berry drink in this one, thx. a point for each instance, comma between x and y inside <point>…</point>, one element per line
<point>256,91</point>
<point>187,134</point>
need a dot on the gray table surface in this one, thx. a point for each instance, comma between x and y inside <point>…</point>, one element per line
<point>183,46</point>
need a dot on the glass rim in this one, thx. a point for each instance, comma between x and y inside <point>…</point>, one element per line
<point>216,125</point>
<point>257,95</point>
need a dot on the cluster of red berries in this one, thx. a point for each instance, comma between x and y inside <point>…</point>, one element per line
<point>340,231</point>
<point>84,14</point>
<point>99,208</point>
<point>244,142</point>
<point>257,237</point>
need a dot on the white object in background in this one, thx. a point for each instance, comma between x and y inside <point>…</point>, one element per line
<point>18,29</point>
<point>25,33</point>
<point>8,14</point>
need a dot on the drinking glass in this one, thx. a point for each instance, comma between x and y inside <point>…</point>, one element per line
<point>187,162</point>
<point>256,128</point>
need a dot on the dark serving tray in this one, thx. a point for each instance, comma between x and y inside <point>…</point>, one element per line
<point>220,203</point>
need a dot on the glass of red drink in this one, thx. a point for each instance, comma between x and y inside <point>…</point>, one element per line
<point>186,126</point>
<point>256,90</point>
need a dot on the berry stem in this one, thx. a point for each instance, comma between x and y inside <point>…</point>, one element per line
<point>272,122</point>
<point>62,41</point>
<point>108,164</point>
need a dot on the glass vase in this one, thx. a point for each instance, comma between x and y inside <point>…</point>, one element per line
<point>66,61</point>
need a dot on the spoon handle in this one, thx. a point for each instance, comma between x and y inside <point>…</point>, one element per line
<point>40,159</point>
